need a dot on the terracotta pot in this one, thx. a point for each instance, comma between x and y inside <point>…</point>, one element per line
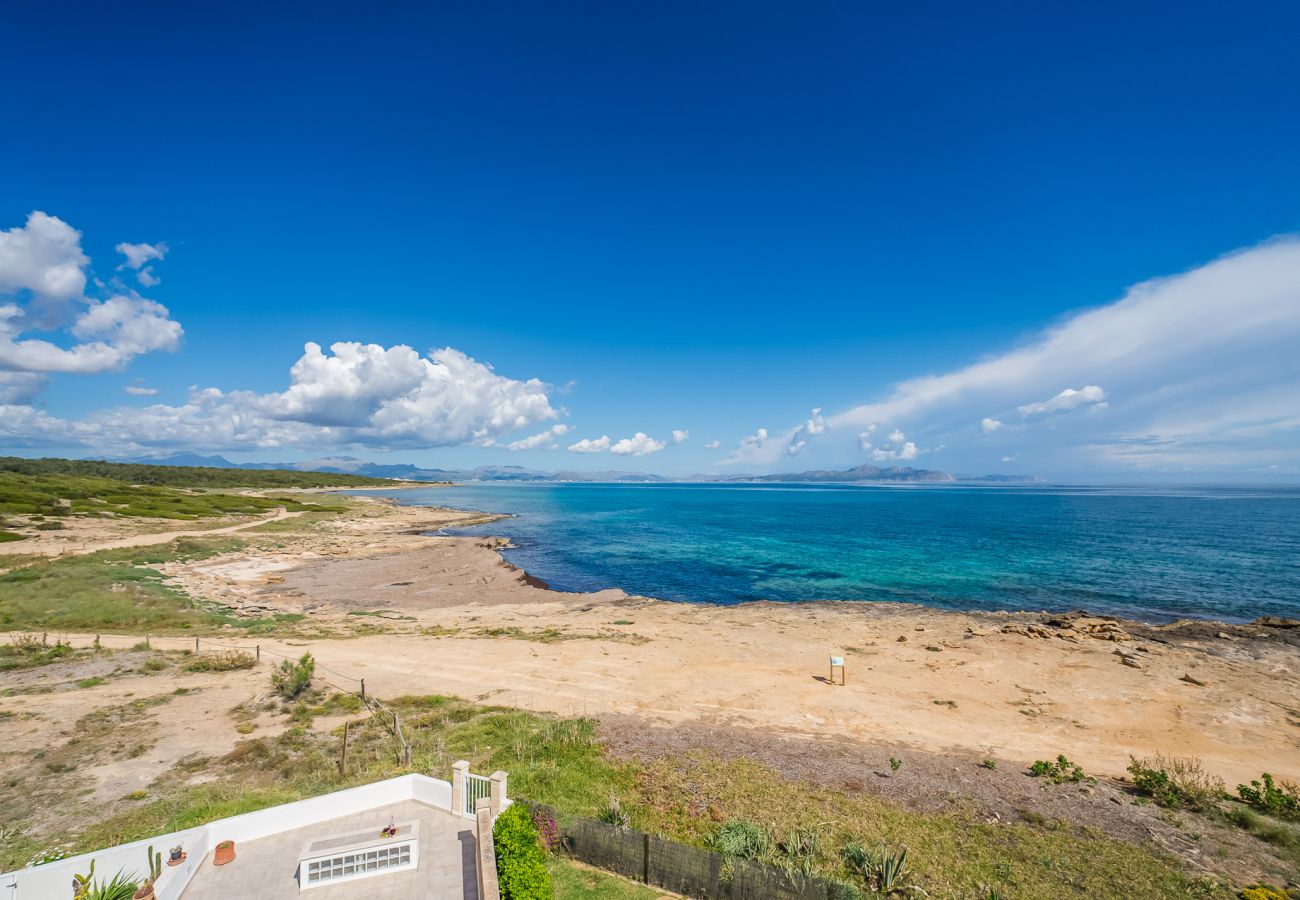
<point>224,853</point>
<point>178,860</point>
<point>143,892</point>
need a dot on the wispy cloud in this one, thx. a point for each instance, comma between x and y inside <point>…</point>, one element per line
<point>1207,355</point>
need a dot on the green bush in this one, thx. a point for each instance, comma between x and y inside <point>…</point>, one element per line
<point>1059,770</point>
<point>291,678</point>
<point>740,838</point>
<point>1264,892</point>
<point>1175,783</point>
<point>521,864</point>
<point>1277,799</point>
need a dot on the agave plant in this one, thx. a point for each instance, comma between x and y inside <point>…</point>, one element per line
<point>121,887</point>
<point>884,871</point>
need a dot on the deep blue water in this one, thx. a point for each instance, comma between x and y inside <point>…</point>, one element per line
<point>1151,554</point>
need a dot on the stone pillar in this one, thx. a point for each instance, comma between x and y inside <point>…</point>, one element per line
<point>459,770</point>
<point>488,888</point>
<point>498,779</point>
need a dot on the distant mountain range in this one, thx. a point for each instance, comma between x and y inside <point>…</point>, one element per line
<point>350,465</point>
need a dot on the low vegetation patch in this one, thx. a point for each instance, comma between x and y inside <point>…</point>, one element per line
<point>1058,771</point>
<point>27,651</point>
<point>1278,799</point>
<point>290,678</point>
<point>221,661</point>
<point>1176,783</point>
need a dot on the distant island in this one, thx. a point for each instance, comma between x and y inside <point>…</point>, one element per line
<point>350,465</point>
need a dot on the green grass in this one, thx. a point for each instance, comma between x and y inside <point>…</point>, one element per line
<point>573,881</point>
<point>109,590</point>
<point>7,536</point>
<point>559,762</point>
<point>183,476</point>
<point>22,494</point>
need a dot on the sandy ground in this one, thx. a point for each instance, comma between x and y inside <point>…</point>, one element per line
<point>447,615</point>
<point>81,535</point>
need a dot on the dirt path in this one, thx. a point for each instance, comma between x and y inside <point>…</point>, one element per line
<point>52,548</point>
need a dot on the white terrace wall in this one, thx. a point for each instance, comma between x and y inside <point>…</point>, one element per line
<point>53,881</point>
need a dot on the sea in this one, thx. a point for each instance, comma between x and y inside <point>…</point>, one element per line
<point>1151,554</point>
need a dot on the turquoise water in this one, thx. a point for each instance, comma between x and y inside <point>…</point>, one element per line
<point>1150,554</point>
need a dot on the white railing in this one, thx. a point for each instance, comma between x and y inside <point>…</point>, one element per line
<point>477,787</point>
<point>53,880</point>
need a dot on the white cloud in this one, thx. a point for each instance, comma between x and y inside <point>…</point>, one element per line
<point>1009,459</point>
<point>1068,399</point>
<point>1204,362</point>
<point>640,444</point>
<point>20,388</point>
<point>146,277</point>
<point>44,257</point>
<point>795,448</point>
<point>680,435</point>
<point>591,445</point>
<point>989,425</point>
<point>906,451</point>
<point>43,272</point>
<point>360,395</point>
<point>712,445</point>
<point>544,439</point>
<point>139,390</point>
<point>139,254</point>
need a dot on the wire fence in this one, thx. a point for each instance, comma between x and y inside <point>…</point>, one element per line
<point>380,712</point>
<point>681,868</point>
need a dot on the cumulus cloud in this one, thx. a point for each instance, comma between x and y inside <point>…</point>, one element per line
<point>591,445</point>
<point>43,256</point>
<point>712,445</point>
<point>640,444</point>
<point>543,439</point>
<point>680,435</point>
<point>988,426</point>
<point>1204,362</point>
<point>20,388</point>
<point>356,395</point>
<point>139,254</point>
<point>1089,395</point>
<point>43,276</point>
<point>146,277</point>
<point>896,447</point>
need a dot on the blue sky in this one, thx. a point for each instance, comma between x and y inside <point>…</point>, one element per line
<point>708,218</point>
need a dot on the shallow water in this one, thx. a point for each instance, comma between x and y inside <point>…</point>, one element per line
<point>1152,554</point>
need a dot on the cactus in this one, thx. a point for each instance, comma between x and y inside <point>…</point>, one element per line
<point>155,864</point>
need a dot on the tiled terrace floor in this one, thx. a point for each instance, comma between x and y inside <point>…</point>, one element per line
<point>268,868</point>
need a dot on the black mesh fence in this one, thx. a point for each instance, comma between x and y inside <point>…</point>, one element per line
<point>689,871</point>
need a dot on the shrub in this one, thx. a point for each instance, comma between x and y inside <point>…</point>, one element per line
<point>884,871</point>
<point>1175,783</point>
<point>1059,770</point>
<point>291,678</point>
<point>740,838</point>
<point>521,864</point>
<point>1280,799</point>
<point>614,814</point>
<point>1264,892</point>
<point>224,661</point>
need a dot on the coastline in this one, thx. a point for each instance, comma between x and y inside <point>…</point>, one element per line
<point>415,612</point>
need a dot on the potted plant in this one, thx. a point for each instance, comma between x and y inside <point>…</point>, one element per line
<point>177,856</point>
<point>224,853</point>
<point>145,891</point>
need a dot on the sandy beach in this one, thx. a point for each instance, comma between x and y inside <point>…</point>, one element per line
<point>446,614</point>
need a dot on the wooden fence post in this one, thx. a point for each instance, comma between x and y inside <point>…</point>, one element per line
<point>363,689</point>
<point>343,760</point>
<point>259,652</point>
<point>196,646</point>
